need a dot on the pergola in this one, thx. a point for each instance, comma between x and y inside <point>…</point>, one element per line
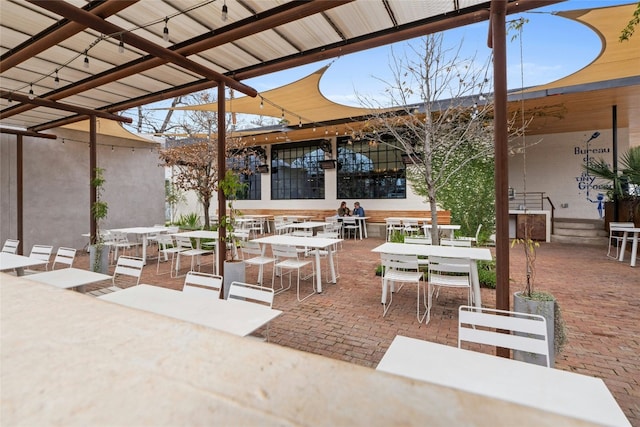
<point>66,61</point>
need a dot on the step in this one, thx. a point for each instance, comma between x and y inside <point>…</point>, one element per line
<point>560,231</point>
<point>577,240</point>
<point>579,225</point>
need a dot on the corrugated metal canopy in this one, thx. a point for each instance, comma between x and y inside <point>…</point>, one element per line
<point>45,39</point>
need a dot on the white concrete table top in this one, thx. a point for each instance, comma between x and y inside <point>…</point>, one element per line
<point>67,278</point>
<point>17,262</point>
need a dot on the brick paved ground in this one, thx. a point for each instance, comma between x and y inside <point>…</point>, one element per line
<point>600,299</point>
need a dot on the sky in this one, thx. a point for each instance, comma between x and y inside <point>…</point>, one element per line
<point>553,47</point>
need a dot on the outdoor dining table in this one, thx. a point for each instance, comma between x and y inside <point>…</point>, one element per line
<point>635,231</point>
<point>144,233</point>
<point>315,243</point>
<point>473,254</point>
<point>233,316</point>
<point>69,278</point>
<point>362,223</point>
<point>554,390</point>
<point>264,218</point>
<point>307,225</point>
<point>298,218</point>
<point>17,262</point>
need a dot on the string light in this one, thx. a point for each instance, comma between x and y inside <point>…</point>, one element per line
<point>86,59</point>
<point>31,95</point>
<point>261,103</point>
<point>121,45</point>
<point>165,32</point>
<point>283,114</point>
<point>224,11</point>
<point>299,122</point>
<point>56,80</point>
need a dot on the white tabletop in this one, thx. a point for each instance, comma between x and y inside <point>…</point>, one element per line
<point>233,316</point>
<point>141,230</point>
<point>307,224</point>
<point>478,254</point>
<point>13,261</point>
<point>549,389</point>
<point>199,234</point>
<point>66,278</point>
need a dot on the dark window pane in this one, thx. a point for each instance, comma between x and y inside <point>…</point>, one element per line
<point>295,172</point>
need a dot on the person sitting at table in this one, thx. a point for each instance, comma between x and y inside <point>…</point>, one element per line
<point>343,210</point>
<point>357,209</point>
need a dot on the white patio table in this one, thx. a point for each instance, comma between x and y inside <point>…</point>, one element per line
<point>362,222</point>
<point>198,235</point>
<point>68,278</point>
<point>625,235</point>
<point>315,243</point>
<point>264,218</point>
<point>567,393</point>
<point>473,254</point>
<point>233,316</point>
<point>17,262</point>
<point>144,233</point>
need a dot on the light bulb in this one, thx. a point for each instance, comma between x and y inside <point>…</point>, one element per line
<point>31,95</point>
<point>86,60</point>
<point>165,32</point>
<point>121,47</point>
<point>56,80</point>
<point>261,104</point>
<point>224,11</point>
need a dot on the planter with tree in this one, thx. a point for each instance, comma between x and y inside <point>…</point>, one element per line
<point>234,268</point>
<point>98,252</point>
<point>543,303</point>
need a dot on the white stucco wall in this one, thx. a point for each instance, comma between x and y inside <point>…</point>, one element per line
<point>56,187</point>
<point>554,166</point>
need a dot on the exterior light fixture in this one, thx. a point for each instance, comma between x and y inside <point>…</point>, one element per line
<point>31,95</point>
<point>121,45</point>
<point>327,164</point>
<point>263,168</point>
<point>224,11</point>
<point>165,32</point>
<point>56,80</point>
<point>86,59</point>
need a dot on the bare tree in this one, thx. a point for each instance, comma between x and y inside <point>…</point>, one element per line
<point>196,158</point>
<point>453,112</point>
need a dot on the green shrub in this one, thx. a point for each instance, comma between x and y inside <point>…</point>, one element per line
<point>190,221</point>
<point>487,273</point>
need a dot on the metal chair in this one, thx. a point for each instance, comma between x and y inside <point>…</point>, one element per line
<point>526,332</point>
<point>448,272</point>
<point>615,237</point>
<point>252,294</point>
<point>10,246</point>
<point>350,224</point>
<point>288,258</point>
<point>202,284</point>
<point>252,255</point>
<point>43,253</point>
<point>64,256</point>
<point>403,269</point>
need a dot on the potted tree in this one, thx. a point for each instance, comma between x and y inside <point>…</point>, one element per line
<point>623,189</point>
<point>532,301</point>
<point>98,255</point>
<point>234,268</point>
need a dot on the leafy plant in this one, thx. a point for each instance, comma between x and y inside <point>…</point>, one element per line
<point>530,247</point>
<point>190,220</point>
<point>487,274</point>
<point>99,211</point>
<point>231,185</point>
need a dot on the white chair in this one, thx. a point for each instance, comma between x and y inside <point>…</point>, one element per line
<point>288,258</point>
<point>127,266</point>
<point>166,247</point>
<point>202,284</point>
<point>410,227</point>
<point>350,224</point>
<point>403,269</point>
<point>472,240</point>
<point>448,272</point>
<point>184,243</point>
<point>393,225</point>
<point>615,237</point>
<point>10,246</point>
<point>252,255</point>
<point>120,241</point>
<point>280,225</point>
<point>64,256</point>
<point>527,332</point>
<point>43,253</point>
<point>252,294</point>
<point>334,252</point>
<point>456,242</point>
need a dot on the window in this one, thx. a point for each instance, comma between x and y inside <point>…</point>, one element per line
<point>369,171</point>
<point>295,172</point>
<point>245,165</point>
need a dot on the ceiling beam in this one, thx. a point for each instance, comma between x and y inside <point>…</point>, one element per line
<point>55,34</point>
<point>274,17</point>
<point>27,133</point>
<point>39,102</point>
<point>76,14</point>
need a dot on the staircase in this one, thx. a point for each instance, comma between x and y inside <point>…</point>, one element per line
<point>579,231</point>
